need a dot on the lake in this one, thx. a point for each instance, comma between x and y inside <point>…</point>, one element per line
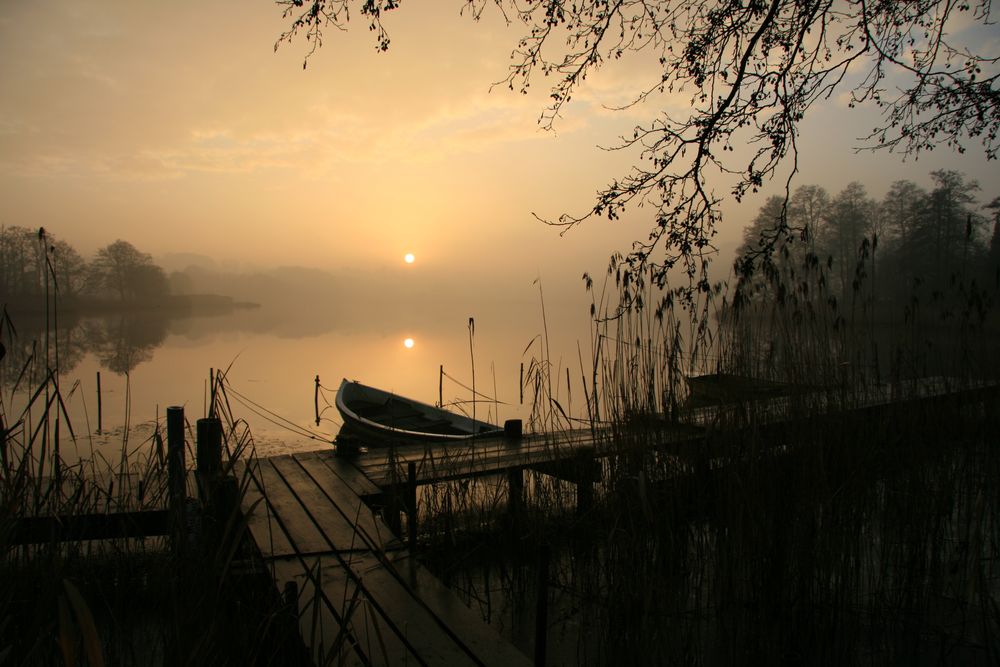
<point>272,355</point>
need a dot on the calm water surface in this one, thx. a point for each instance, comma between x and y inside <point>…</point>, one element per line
<point>148,362</point>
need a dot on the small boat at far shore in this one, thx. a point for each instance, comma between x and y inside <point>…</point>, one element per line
<point>378,417</point>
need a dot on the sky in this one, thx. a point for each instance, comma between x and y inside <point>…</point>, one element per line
<point>178,127</point>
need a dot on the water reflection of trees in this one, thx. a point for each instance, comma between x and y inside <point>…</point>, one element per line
<point>120,342</point>
<point>28,345</point>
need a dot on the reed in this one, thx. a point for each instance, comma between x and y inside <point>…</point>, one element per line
<point>803,529</point>
<point>118,600</point>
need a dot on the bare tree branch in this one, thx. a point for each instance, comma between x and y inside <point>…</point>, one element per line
<point>752,69</point>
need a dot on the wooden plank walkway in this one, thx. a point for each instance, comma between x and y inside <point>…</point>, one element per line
<point>440,462</point>
<point>362,599</point>
<point>563,453</point>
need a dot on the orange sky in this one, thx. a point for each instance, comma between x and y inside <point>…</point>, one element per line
<point>177,127</point>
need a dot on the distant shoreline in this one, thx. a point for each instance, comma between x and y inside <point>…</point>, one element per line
<point>175,304</point>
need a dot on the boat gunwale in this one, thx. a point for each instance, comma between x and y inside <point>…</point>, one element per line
<point>384,430</point>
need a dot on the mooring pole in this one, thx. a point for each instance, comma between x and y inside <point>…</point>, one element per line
<point>99,423</point>
<point>316,400</point>
<point>176,475</point>
<point>542,606</point>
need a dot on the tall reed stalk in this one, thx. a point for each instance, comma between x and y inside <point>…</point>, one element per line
<point>803,528</point>
<point>121,601</point>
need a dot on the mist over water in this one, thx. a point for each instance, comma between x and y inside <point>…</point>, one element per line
<point>302,323</point>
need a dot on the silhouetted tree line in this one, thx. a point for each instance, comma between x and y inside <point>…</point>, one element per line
<point>34,264</point>
<point>850,248</point>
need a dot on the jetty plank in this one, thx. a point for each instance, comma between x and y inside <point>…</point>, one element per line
<point>305,536</point>
<point>336,619</point>
<point>347,526</point>
<point>362,599</point>
<point>377,534</point>
<point>488,456</point>
<point>360,603</point>
<point>405,615</point>
<point>265,527</point>
<point>479,638</point>
<point>345,468</point>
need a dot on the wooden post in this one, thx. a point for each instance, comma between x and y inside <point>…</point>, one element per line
<point>208,455</point>
<point>542,606</point>
<point>441,387</point>
<point>392,508</point>
<point>392,511</point>
<point>316,400</point>
<point>211,393</point>
<point>512,429</point>
<point>219,495</point>
<point>176,475</point>
<point>411,503</point>
<point>100,426</point>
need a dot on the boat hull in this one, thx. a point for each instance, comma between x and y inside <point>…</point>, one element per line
<point>379,418</point>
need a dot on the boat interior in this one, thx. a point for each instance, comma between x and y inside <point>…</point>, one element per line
<point>400,414</point>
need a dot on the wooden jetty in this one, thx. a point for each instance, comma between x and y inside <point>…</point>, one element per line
<point>327,528</point>
<point>361,596</point>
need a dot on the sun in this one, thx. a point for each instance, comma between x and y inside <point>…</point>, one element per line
<point>408,343</point>
<point>409,258</point>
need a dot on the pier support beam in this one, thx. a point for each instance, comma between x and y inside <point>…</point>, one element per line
<point>411,504</point>
<point>393,508</point>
